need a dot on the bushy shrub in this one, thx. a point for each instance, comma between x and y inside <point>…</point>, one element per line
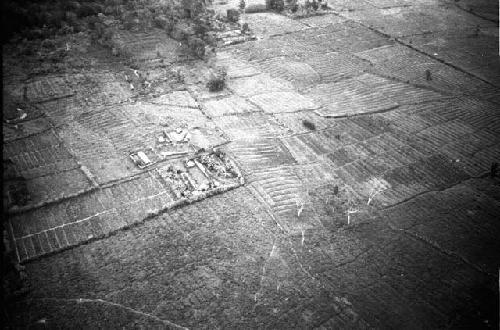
<point>314,5</point>
<point>245,28</point>
<point>277,5</point>
<point>71,18</point>
<point>113,2</point>
<point>308,8</point>
<point>217,80</point>
<point>196,46</point>
<point>309,125</point>
<point>56,18</point>
<point>48,44</point>
<point>88,9</point>
<point>233,15</point>
<point>162,22</point>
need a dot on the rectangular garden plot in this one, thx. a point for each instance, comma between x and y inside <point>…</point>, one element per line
<point>95,87</point>
<point>39,155</point>
<point>99,212</point>
<point>366,94</point>
<point>146,46</point>
<point>250,126</point>
<point>87,216</point>
<point>258,154</point>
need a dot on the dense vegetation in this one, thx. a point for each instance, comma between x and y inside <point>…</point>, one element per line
<point>37,19</point>
<point>32,19</point>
